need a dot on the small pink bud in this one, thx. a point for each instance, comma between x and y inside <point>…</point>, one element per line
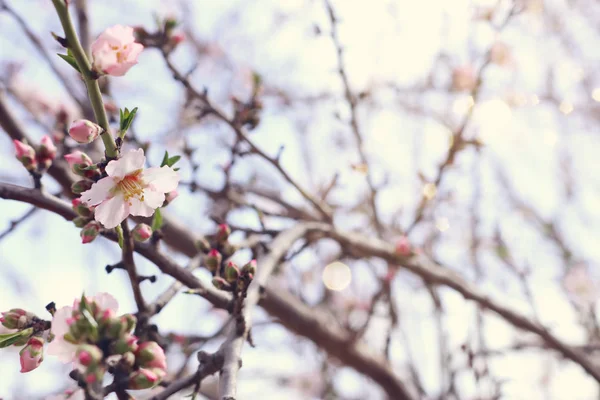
<point>16,318</point>
<point>81,186</point>
<point>89,355</point>
<point>171,196</point>
<point>47,151</point>
<point>220,283</point>
<point>26,155</point>
<point>232,272</point>
<point>142,232</point>
<point>145,378</point>
<point>403,246</point>
<point>78,157</point>
<point>90,232</point>
<point>84,131</point>
<point>250,268</point>
<point>177,38</point>
<point>223,232</point>
<point>81,209</point>
<point>151,355</point>
<point>126,343</point>
<point>213,260</point>
<point>32,355</point>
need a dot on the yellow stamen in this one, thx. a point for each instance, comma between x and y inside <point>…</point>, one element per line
<point>132,186</point>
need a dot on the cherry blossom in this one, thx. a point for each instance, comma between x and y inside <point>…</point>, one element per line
<point>115,51</point>
<point>129,189</point>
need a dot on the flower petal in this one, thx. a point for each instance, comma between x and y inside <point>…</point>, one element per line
<point>59,320</point>
<point>99,192</point>
<point>106,302</point>
<point>112,212</point>
<point>163,179</point>
<point>62,349</point>
<point>130,162</point>
<point>140,208</point>
<point>153,198</point>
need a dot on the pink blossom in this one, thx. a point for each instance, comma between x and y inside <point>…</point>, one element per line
<point>89,232</point>
<point>115,51</point>
<point>84,131</point>
<point>500,53</point>
<point>145,378</point>
<point>129,189</point>
<point>32,355</point>
<point>464,78</point>
<point>59,347</point>
<point>580,286</point>
<point>403,246</point>
<point>178,38</point>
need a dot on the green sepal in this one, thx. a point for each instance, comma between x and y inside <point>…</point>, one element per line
<point>157,220</point>
<point>70,60</point>
<point>8,339</point>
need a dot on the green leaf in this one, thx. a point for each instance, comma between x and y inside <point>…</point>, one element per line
<point>157,220</point>
<point>171,161</point>
<point>70,60</point>
<point>165,159</point>
<point>126,120</point>
<point>120,235</point>
<point>8,339</point>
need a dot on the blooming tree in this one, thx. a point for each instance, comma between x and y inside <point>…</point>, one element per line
<point>378,214</point>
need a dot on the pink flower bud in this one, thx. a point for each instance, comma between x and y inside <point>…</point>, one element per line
<point>89,355</point>
<point>464,78</point>
<point>142,232</point>
<point>223,232</point>
<point>145,378</point>
<point>78,161</point>
<point>26,155</point>
<point>84,131</point>
<point>177,38</point>
<point>171,196</point>
<point>220,283</point>
<point>47,151</point>
<point>232,272</point>
<point>115,51</point>
<point>16,318</point>
<point>32,355</point>
<point>81,209</point>
<point>403,246</point>
<point>90,232</point>
<point>81,186</point>
<point>126,343</point>
<point>213,260</point>
<point>250,268</point>
<point>151,355</point>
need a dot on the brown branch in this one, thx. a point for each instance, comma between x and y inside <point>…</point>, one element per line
<point>129,263</point>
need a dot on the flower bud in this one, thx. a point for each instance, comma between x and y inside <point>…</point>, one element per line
<point>232,272</point>
<point>26,155</point>
<point>126,343</point>
<point>78,161</point>
<point>32,355</point>
<point>118,327</point>
<point>202,245</point>
<point>403,246</point>
<point>145,378</point>
<point>151,355</point>
<point>90,232</point>
<point>89,355</point>
<point>47,151</point>
<point>172,195</point>
<point>223,232</point>
<point>213,260</point>
<point>142,232</point>
<point>81,209</point>
<point>84,131</point>
<point>80,222</point>
<point>464,78</point>
<point>81,186</point>
<point>16,318</point>
<point>177,38</point>
<point>220,283</point>
<point>249,268</point>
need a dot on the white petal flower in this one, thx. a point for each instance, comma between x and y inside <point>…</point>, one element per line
<point>129,189</point>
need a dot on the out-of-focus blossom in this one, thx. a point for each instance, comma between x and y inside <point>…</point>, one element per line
<point>464,78</point>
<point>580,285</point>
<point>500,53</point>
<point>145,378</point>
<point>115,51</point>
<point>26,155</point>
<point>129,189</point>
<point>47,151</point>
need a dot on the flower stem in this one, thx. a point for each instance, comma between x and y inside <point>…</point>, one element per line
<point>88,76</point>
